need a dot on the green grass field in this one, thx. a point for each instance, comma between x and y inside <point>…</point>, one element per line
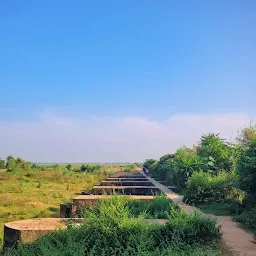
<point>38,193</point>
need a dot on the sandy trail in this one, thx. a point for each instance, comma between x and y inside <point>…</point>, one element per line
<point>238,240</point>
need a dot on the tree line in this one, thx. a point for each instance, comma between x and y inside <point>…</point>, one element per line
<point>214,171</point>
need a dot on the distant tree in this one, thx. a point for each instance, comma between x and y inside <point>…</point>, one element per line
<point>149,162</point>
<point>69,167</point>
<point>246,135</point>
<point>34,166</point>
<point>11,163</point>
<point>20,162</point>
<point>26,165</point>
<point>2,164</point>
<point>83,168</point>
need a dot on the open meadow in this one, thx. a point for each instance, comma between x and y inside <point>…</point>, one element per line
<point>38,192</point>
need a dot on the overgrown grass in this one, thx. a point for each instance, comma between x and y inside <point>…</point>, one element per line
<point>158,208</point>
<point>38,193</point>
<point>111,230</point>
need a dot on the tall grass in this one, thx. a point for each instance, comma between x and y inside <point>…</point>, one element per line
<point>110,229</point>
<point>37,193</point>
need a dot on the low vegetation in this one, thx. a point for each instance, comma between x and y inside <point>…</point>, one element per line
<point>33,190</point>
<point>217,176</point>
<point>113,228</point>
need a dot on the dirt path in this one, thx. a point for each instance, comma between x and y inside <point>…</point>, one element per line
<point>236,239</point>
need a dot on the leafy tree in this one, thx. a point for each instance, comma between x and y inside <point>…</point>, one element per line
<point>11,163</point>
<point>216,153</point>
<point>246,135</point>
<point>166,158</point>
<point>148,163</point>
<point>246,167</point>
<point>69,167</point>
<point>2,164</point>
<point>83,168</point>
<point>186,162</point>
<point>34,166</point>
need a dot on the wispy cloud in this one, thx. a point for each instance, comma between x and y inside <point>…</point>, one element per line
<point>53,138</point>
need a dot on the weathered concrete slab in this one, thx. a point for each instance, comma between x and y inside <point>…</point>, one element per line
<point>126,183</point>
<point>127,179</point>
<point>128,190</point>
<point>123,174</point>
<point>128,176</point>
<point>25,231</point>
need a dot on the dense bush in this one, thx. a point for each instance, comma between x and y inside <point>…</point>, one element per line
<point>158,208</point>
<point>248,218</point>
<point>110,231</point>
<point>247,168</point>
<point>130,168</point>
<point>176,168</point>
<point>90,167</point>
<point>2,164</point>
<point>185,163</point>
<point>204,188</point>
<point>216,153</point>
<point>16,164</point>
<point>148,163</point>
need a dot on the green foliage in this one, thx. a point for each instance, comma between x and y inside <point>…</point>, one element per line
<point>147,164</point>
<point>138,165</point>
<point>185,163</point>
<point>13,164</point>
<point>2,164</point>
<point>69,167</point>
<point>177,168</point>
<point>90,168</point>
<point>216,153</point>
<point>166,158</point>
<point>246,135</point>
<point>248,219</point>
<point>203,188</point>
<point>34,166</point>
<point>110,231</point>
<point>158,208</point>
<point>129,168</point>
<point>246,168</point>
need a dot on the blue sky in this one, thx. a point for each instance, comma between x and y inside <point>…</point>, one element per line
<point>113,60</point>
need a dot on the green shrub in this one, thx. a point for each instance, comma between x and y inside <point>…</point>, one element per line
<point>90,168</point>
<point>247,168</point>
<point>148,163</point>
<point>176,168</point>
<point>216,153</point>
<point>110,230</point>
<point>248,219</point>
<point>204,188</point>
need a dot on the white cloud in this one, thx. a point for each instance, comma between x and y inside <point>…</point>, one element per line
<point>110,139</point>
